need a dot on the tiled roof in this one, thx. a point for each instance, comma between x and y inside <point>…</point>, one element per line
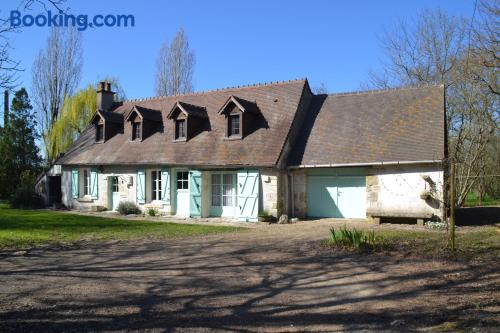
<point>277,102</point>
<point>391,125</point>
<point>149,114</point>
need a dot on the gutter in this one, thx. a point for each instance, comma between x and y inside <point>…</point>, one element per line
<point>303,166</point>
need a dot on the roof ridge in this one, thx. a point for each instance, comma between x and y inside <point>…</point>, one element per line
<point>270,83</point>
<point>375,91</point>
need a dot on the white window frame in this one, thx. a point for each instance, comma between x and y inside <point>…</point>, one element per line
<point>82,177</point>
<point>222,196</point>
<point>156,191</point>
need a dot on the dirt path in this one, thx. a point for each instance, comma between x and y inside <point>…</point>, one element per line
<point>274,278</point>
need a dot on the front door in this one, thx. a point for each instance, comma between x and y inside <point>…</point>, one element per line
<point>182,193</point>
<point>114,192</point>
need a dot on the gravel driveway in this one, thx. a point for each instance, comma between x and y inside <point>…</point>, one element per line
<point>272,278</point>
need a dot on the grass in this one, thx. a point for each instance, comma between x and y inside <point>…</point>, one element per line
<point>477,243</point>
<point>472,200</point>
<point>28,228</point>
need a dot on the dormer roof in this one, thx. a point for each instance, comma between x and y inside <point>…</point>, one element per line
<point>242,104</point>
<point>108,116</point>
<point>144,113</point>
<point>188,110</point>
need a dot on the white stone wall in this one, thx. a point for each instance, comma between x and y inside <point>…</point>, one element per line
<point>391,191</point>
<point>126,188</point>
<point>270,198</point>
<point>396,191</point>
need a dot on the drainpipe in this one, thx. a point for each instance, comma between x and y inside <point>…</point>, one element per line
<point>292,193</point>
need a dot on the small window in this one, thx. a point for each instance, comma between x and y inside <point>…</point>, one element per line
<point>86,182</point>
<point>136,131</point>
<point>216,190</point>
<point>234,125</point>
<point>114,185</point>
<point>227,189</point>
<point>100,132</point>
<point>156,185</point>
<point>180,129</point>
<point>182,180</point>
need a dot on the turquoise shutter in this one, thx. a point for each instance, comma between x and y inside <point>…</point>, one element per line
<point>248,194</point>
<point>141,186</point>
<point>74,183</point>
<point>93,183</point>
<point>194,193</point>
<point>165,186</point>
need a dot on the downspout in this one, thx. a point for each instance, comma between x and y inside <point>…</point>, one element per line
<point>292,214</point>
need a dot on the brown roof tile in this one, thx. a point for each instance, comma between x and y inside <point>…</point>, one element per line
<point>376,126</point>
<point>277,103</point>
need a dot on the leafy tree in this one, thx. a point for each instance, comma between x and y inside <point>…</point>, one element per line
<point>20,154</point>
<point>75,116</point>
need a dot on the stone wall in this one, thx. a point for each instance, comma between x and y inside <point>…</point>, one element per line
<point>397,191</point>
<point>270,184</point>
<point>299,185</point>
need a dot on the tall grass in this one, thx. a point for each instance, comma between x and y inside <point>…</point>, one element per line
<point>356,239</point>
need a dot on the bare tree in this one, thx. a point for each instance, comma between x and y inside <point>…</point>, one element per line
<point>423,51</point>
<point>55,75</point>
<point>10,67</point>
<point>174,67</point>
<point>485,48</point>
<point>436,49</point>
<point>321,89</point>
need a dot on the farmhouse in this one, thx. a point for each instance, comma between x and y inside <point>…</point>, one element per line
<point>274,147</point>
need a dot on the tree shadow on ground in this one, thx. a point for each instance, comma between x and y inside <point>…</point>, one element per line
<point>223,285</point>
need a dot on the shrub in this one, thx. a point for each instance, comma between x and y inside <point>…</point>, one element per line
<point>435,225</point>
<point>25,197</point>
<point>153,211</point>
<point>128,207</point>
<point>357,239</point>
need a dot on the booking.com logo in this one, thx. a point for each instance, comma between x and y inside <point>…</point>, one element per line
<point>82,22</point>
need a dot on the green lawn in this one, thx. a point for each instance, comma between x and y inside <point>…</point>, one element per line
<point>28,228</point>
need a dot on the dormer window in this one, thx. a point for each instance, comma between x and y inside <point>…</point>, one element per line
<point>106,124</point>
<point>233,127</point>
<point>180,129</point>
<point>188,119</point>
<point>143,122</point>
<point>136,131</point>
<point>240,117</point>
<point>99,137</point>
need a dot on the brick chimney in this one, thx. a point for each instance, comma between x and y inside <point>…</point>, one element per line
<point>105,97</point>
<point>5,108</point>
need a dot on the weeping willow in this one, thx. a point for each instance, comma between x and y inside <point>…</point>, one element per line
<point>76,113</point>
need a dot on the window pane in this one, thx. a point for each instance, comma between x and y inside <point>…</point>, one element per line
<point>234,125</point>
<point>227,194</point>
<point>216,190</point>
<point>182,180</point>
<point>180,129</point>
<point>86,182</point>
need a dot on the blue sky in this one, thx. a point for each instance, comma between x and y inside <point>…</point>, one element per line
<point>235,42</point>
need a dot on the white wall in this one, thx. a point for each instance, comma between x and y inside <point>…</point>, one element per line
<point>391,191</point>
<point>395,191</point>
<point>127,191</point>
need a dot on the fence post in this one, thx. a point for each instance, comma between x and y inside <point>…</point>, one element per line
<point>452,206</point>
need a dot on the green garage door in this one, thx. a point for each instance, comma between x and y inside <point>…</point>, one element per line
<point>336,196</point>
